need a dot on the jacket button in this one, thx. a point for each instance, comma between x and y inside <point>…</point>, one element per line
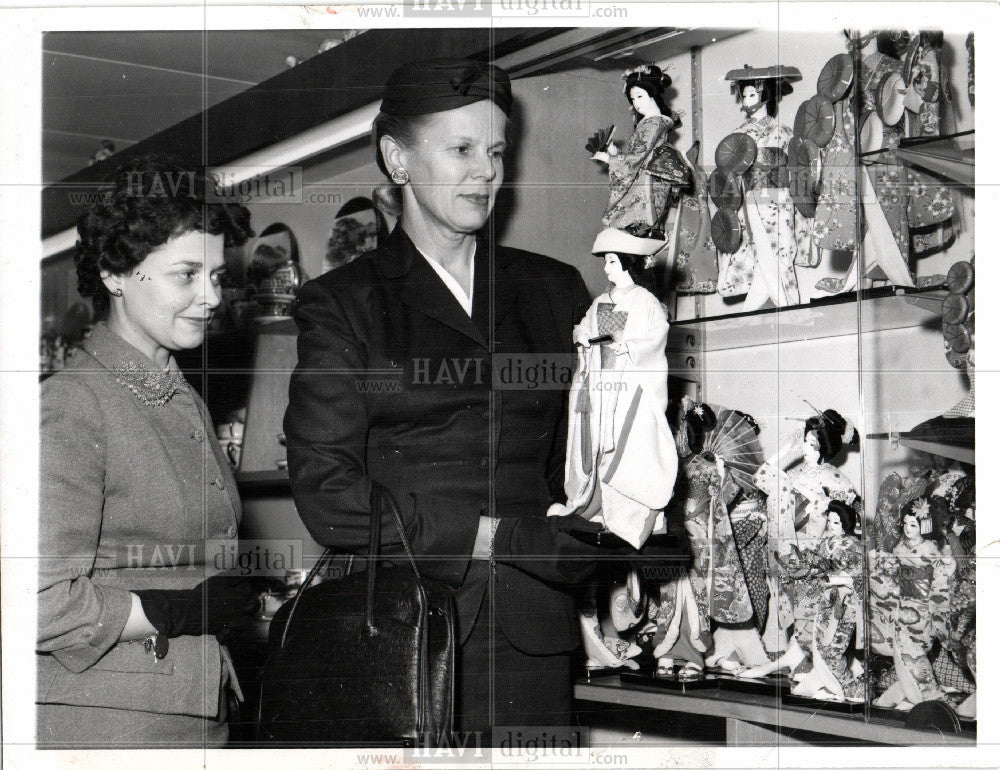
<point>484,462</point>
<point>484,507</point>
<point>485,414</point>
<point>231,532</point>
<point>220,483</point>
<point>199,434</point>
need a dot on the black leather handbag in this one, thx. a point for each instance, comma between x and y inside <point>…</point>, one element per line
<point>367,660</point>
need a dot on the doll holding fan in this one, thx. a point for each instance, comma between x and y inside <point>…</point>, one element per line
<point>648,172</point>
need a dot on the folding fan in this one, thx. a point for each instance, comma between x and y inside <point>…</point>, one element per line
<point>734,439</point>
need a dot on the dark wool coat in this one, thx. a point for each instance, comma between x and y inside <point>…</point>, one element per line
<point>396,383</point>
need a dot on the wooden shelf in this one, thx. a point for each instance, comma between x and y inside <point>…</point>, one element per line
<point>746,709</point>
<point>840,316</point>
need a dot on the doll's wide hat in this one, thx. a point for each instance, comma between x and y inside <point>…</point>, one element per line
<point>611,239</point>
<point>777,72</point>
<point>835,77</point>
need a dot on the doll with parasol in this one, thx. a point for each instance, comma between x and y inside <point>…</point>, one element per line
<point>755,227</point>
<point>724,523</point>
<point>648,173</point>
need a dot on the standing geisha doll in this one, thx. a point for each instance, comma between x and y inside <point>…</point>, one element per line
<point>799,483</point>
<point>724,522</point>
<point>925,578</point>
<point>648,172</point>
<point>830,606</point>
<point>752,165</point>
<point>621,460</point>
<point>682,618</point>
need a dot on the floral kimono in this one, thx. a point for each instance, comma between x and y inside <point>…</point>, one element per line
<point>829,609</point>
<point>638,200</point>
<point>796,514</point>
<point>732,588</point>
<point>767,218</point>
<point>684,602</point>
<point>907,212</point>
<point>620,453</point>
<point>697,266</point>
<point>925,572</point>
<point>835,222</point>
<point>797,501</point>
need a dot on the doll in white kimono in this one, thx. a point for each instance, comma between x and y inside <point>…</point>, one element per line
<point>621,460</point>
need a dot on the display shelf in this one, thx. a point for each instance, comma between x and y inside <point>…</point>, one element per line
<point>840,316</point>
<point>961,454</point>
<point>954,438</point>
<point>748,714</point>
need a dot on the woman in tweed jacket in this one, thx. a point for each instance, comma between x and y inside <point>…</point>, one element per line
<point>136,496</point>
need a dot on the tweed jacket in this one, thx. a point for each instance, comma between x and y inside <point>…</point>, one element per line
<point>133,495</point>
<point>395,383</point>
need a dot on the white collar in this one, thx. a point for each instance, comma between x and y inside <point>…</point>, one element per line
<point>465,300</point>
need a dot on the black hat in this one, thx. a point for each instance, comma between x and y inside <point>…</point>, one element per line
<point>437,85</point>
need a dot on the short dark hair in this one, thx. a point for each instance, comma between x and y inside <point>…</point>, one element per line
<point>149,201</point>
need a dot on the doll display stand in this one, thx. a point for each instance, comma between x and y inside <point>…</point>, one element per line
<point>776,684</point>
<point>672,681</point>
<point>840,706</point>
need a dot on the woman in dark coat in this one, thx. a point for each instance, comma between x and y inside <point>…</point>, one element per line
<point>134,487</point>
<point>407,377</point>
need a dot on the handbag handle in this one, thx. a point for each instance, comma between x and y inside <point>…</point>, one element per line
<point>377,502</point>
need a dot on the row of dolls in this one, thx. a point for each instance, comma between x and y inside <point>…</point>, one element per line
<point>776,577</point>
<point>775,212</point>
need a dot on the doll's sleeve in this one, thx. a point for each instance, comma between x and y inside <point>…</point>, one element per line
<point>647,134</point>
<point>646,341</point>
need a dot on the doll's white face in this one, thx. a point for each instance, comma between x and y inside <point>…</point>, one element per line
<point>615,272</point>
<point>911,528</point>
<point>642,102</point>
<point>750,96</point>
<point>810,448</point>
<point>834,526</point>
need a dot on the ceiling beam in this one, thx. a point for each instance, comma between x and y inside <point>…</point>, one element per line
<point>330,85</point>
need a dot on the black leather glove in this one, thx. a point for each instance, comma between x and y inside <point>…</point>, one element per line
<point>215,606</point>
<point>557,549</point>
